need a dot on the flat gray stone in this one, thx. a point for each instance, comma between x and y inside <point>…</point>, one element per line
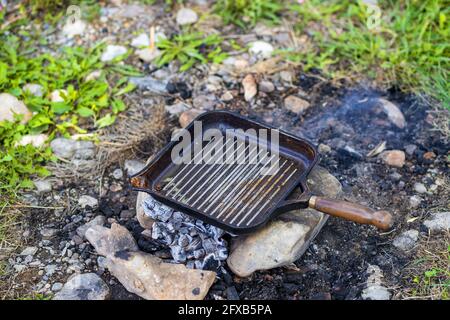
<point>43,186</point>
<point>186,16</point>
<point>110,241</point>
<point>97,221</point>
<point>375,289</point>
<point>149,83</point>
<point>29,251</point>
<point>34,89</point>
<point>87,286</point>
<point>285,239</point>
<point>68,148</point>
<point>177,108</point>
<point>438,222</point>
<point>86,200</point>
<point>406,240</point>
<point>112,51</point>
<point>420,187</point>
<point>48,233</point>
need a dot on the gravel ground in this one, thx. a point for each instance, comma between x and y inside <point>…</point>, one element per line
<point>344,120</point>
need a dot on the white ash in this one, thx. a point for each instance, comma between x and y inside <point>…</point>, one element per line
<point>191,241</point>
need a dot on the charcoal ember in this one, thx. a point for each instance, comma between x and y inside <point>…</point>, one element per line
<point>178,253</point>
<point>210,263</point>
<point>232,293</point>
<point>184,240</point>
<point>157,210</point>
<point>147,245</point>
<point>190,240</point>
<point>195,244</point>
<point>200,253</point>
<point>156,232</point>
<point>106,209</point>
<point>183,230</point>
<point>209,245</point>
<point>179,87</point>
<point>222,253</point>
<point>169,239</point>
<point>169,227</point>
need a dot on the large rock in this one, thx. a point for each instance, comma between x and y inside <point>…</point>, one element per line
<point>152,279</point>
<point>285,239</point>
<point>10,105</point>
<point>87,286</point>
<point>145,274</point>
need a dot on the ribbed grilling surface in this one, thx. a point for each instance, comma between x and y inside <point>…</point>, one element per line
<point>237,193</point>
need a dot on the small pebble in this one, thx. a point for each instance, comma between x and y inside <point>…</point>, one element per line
<point>117,174</point>
<point>420,187</point>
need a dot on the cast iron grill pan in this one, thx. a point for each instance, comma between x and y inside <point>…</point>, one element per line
<point>238,196</point>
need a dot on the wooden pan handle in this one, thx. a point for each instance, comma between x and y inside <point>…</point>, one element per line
<point>352,211</point>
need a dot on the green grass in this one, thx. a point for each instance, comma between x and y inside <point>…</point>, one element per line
<point>54,10</point>
<point>36,296</point>
<point>246,13</point>
<point>410,48</point>
<point>191,48</point>
<point>430,272</point>
<point>94,103</point>
<point>87,106</point>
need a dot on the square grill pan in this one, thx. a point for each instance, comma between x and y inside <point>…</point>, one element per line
<point>237,197</point>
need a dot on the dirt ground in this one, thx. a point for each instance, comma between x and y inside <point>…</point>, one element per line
<point>343,120</point>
